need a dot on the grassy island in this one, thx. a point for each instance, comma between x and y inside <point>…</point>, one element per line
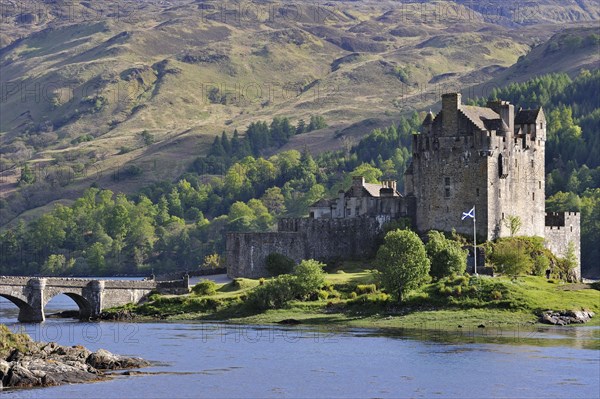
<point>351,297</point>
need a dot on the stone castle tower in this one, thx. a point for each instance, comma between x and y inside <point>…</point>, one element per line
<point>491,157</point>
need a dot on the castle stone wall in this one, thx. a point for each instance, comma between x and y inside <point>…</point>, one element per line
<point>561,229</point>
<point>302,238</point>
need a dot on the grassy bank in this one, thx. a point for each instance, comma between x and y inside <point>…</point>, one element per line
<point>352,298</point>
<point>10,341</point>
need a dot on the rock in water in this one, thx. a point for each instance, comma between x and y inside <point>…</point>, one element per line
<point>566,317</point>
<point>104,360</point>
<point>48,364</point>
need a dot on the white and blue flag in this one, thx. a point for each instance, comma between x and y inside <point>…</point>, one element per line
<point>470,214</point>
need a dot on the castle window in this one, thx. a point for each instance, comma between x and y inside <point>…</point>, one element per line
<point>477,191</point>
<point>533,196</point>
<point>502,166</point>
<point>349,212</point>
<point>571,229</point>
<point>447,181</point>
<point>532,163</point>
<point>516,165</point>
<point>447,192</point>
<point>502,215</point>
<point>499,193</point>
<point>540,184</point>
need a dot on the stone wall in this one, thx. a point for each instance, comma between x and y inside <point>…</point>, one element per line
<point>561,229</point>
<point>302,238</point>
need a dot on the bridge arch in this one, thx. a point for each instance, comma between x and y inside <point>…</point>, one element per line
<point>84,305</point>
<point>25,310</point>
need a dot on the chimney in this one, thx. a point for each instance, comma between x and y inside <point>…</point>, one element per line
<point>506,111</point>
<point>451,103</point>
<point>358,181</point>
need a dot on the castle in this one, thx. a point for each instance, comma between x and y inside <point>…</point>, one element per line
<point>488,157</point>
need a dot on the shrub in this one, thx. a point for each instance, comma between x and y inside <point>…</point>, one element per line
<point>275,294</point>
<point>277,264</point>
<point>243,283</point>
<point>496,295</point>
<point>541,263</point>
<point>323,295</point>
<point>365,289</point>
<point>371,299</point>
<point>519,255</point>
<point>205,287</point>
<point>510,258</point>
<point>353,295</point>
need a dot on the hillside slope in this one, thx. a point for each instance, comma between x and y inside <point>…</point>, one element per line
<point>82,82</point>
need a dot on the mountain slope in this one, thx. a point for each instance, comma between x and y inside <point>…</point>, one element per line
<point>82,82</point>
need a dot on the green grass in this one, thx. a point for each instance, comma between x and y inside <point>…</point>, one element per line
<point>10,341</point>
<point>494,302</point>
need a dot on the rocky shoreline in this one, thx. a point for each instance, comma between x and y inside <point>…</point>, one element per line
<point>50,364</point>
<point>563,318</point>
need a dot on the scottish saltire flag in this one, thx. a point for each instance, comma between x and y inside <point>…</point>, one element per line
<point>470,214</point>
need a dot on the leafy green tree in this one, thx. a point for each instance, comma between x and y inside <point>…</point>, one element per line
<point>446,256</point>
<point>57,264</point>
<point>369,172</point>
<point>570,262</point>
<point>47,233</point>
<point>241,217</point>
<point>274,201</point>
<point>403,263</point>
<point>316,122</point>
<point>95,257</point>
<point>262,218</point>
<point>309,277</point>
<point>118,221</point>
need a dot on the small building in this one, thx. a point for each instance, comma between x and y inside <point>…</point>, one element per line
<point>362,200</point>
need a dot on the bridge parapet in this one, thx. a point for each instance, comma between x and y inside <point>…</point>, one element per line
<point>92,296</point>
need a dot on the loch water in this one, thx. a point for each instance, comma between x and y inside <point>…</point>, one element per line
<point>194,360</point>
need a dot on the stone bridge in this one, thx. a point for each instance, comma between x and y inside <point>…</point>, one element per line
<point>31,294</point>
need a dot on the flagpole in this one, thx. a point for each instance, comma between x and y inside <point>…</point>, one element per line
<point>474,241</point>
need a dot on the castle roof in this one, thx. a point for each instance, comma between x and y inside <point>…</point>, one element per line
<point>496,124</point>
<point>527,116</point>
<point>374,189</point>
<point>479,115</point>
